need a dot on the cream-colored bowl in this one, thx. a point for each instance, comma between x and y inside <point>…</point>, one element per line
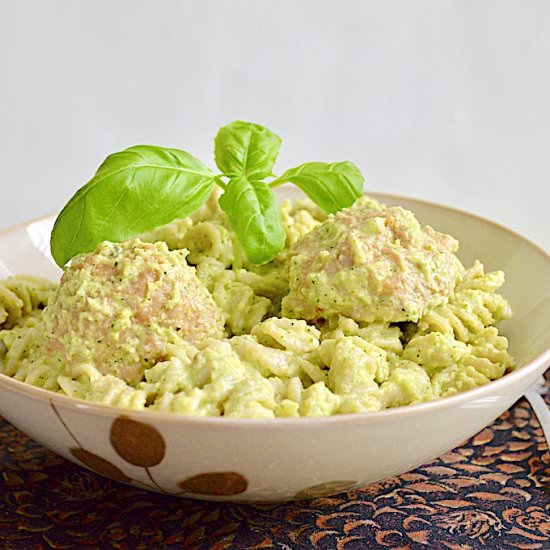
<point>241,459</point>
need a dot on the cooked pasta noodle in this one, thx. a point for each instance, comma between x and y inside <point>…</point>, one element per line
<point>241,307</point>
<point>474,306</point>
<point>20,296</point>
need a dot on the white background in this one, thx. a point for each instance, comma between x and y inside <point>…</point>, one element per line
<point>443,100</point>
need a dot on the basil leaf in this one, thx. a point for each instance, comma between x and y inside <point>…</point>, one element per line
<point>255,217</point>
<point>246,149</point>
<point>132,192</point>
<point>332,186</point>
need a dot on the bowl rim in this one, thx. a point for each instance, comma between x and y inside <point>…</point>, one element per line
<point>541,362</point>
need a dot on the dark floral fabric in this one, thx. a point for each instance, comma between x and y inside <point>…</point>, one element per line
<point>491,493</point>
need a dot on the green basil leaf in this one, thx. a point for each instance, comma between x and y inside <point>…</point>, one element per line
<point>332,186</point>
<point>255,217</point>
<point>246,149</point>
<point>132,192</point>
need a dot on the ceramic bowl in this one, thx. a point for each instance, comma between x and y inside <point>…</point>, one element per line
<point>251,460</point>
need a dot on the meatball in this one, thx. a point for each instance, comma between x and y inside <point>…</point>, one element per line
<point>120,306</point>
<point>370,262</point>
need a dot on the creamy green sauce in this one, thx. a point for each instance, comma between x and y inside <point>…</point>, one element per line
<point>362,311</point>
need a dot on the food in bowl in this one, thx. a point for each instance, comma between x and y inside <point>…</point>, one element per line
<point>343,306</point>
<point>136,325</point>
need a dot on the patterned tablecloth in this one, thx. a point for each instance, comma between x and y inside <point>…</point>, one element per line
<point>492,493</point>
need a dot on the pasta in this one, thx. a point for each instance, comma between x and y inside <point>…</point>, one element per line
<point>474,306</point>
<point>21,296</point>
<point>267,364</point>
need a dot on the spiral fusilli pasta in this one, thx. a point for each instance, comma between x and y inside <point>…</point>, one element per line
<point>22,295</point>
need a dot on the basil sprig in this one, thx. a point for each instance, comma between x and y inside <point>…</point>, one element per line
<point>146,186</point>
